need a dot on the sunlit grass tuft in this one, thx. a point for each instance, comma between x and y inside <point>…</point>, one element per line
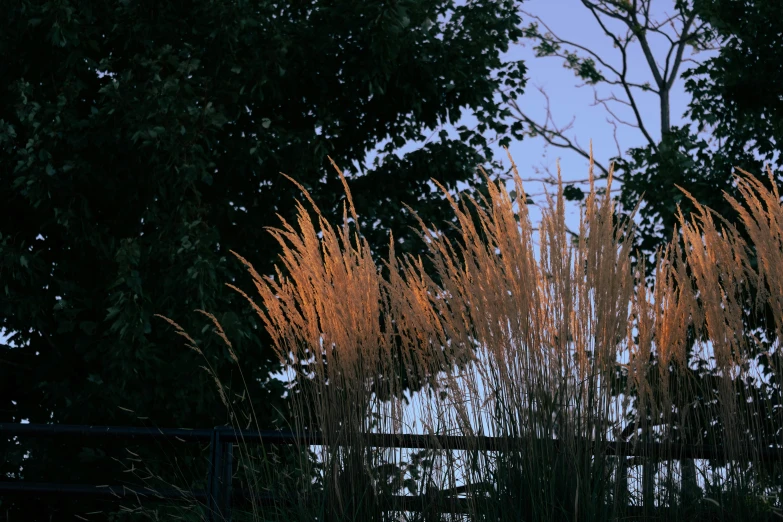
<point>559,350</point>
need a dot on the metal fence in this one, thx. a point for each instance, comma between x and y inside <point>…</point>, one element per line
<point>218,494</point>
<point>216,497</point>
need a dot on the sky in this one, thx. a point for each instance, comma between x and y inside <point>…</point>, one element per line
<point>570,20</point>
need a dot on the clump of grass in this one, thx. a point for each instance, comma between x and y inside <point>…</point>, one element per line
<point>560,351</point>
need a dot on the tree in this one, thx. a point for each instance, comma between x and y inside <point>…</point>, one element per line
<point>141,140</point>
<point>736,96</point>
<point>594,69</point>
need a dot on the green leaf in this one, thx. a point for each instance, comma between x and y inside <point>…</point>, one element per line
<point>572,193</point>
<point>88,327</point>
<point>112,312</point>
<point>219,119</point>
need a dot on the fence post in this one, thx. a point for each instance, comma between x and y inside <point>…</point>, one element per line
<point>219,481</point>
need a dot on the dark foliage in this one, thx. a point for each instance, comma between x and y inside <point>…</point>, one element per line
<point>141,140</point>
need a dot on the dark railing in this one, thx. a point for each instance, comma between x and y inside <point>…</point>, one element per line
<point>218,495</point>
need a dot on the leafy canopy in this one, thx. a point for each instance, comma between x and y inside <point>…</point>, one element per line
<point>141,140</point>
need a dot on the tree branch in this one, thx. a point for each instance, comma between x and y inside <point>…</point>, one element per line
<point>566,42</point>
<point>606,106</point>
<point>623,46</point>
<point>635,15</point>
<point>680,49</point>
<point>550,135</point>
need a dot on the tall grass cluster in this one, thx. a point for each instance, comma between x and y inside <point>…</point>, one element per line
<point>593,383</point>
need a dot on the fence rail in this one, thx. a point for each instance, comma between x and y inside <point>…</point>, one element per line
<point>218,495</point>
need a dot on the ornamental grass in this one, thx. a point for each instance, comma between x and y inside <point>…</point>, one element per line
<point>576,390</point>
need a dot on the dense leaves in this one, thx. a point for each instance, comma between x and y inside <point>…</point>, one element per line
<point>141,140</point>
<point>737,96</point>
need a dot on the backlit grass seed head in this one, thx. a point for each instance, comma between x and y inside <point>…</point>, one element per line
<point>324,311</point>
<point>673,306</point>
<point>516,339</point>
<point>181,332</point>
<point>763,220</point>
<point>222,334</point>
<point>718,260</point>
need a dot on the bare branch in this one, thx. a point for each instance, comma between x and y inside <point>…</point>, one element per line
<point>608,33</point>
<point>641,86</point>
<point>633,103</point>
<point>691,60</point>
<point>646,9</point>
<point>680,49</point>
<point>614,134</point>
<point>609,110</point>
<point>595,7</point>
<point>566,42</point>
<point>611,97</point>
<point>656,27</point>
<point>550,135</point>
<point>635,15</point>
<point>639,31</point>
<point>623,50</point>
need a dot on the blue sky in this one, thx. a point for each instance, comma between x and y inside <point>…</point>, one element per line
<point>570,20</point>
